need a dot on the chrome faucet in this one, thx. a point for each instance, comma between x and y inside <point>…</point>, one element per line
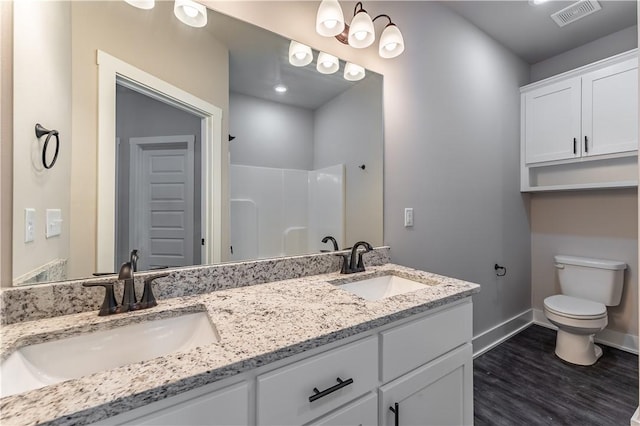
<point>350,265</point>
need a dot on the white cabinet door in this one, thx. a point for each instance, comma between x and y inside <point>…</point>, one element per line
<point>439,393</point>
<point>229,406</point>
<point>363,412</point>
<point>610,109</point>
<point>552,122</point>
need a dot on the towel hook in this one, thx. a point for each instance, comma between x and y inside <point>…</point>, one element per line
<point>40,132</point>
<point>500,268</point>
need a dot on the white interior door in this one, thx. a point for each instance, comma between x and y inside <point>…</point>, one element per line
<point>161,220</point>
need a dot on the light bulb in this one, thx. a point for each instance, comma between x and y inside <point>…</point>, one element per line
<point>191,12</point>
<point>360,35</point>
<point>330,23</point>
<point>329,19</point>
<point>142,4</point>
<point>327,64</point>
<point>391,42</point>
<point>353,72</point>
<point>300,55</point>
<point>361,31</point>
<point>280,88</point>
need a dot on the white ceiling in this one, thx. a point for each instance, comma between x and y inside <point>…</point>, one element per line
<point>258,60</point>
<point>530,33</point>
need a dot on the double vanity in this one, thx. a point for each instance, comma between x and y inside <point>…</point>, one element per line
<point>282,341</point>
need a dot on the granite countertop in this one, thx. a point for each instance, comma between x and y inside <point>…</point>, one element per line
<point>257,325</point>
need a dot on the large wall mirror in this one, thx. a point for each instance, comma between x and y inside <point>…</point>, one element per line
<point>181,143</point>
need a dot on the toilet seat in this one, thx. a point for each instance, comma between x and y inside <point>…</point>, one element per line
<point>575,308</point>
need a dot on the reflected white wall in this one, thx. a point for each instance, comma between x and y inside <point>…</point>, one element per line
<point>277,212</point>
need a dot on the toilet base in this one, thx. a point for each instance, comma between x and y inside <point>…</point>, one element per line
<point>577,348</point>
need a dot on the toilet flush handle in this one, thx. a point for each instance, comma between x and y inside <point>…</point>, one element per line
<point>559,266</point>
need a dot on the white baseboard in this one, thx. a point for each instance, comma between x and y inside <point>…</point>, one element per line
<point>501,332</point>
<point>635,420</point>
<point>615,339</point>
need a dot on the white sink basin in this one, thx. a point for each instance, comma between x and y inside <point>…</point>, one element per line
<point>382,287</point>
<point>43,364</point>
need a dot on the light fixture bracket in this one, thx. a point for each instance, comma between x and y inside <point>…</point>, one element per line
<point>343,37</point>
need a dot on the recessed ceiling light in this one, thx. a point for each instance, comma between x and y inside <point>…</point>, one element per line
<point>280,88</point>
<point>537,2</point>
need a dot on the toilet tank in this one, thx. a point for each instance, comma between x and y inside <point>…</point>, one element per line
<point>599,280</point>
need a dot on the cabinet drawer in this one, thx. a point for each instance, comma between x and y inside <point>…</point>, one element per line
<point>283,395</point>
<point>411,345</point>
<point>228,406</point>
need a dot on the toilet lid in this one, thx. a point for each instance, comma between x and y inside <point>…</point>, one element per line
<point>573,307</point>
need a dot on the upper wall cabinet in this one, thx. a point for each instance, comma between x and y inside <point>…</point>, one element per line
<point>580,129</point>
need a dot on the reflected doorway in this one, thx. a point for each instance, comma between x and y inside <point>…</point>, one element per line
<point>158,182</point>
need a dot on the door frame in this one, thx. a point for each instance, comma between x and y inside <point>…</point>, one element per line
<point>112,70</point>
<point>137,146</point>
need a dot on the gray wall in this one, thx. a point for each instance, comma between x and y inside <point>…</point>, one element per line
<point>270,134</point>
<point>601,48</point>
<point>138,115</point>
<point>348,130</point>
<point>452,120</point>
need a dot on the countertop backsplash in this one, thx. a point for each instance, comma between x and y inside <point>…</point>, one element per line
<point>70,297</point>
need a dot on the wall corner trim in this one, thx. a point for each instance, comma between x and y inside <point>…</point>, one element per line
<point>491,338</point>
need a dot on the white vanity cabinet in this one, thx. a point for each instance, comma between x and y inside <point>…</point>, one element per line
<point>427,366</point>
<point>284,396</point>
<point>422,363</point>
<point>203,406</point>
<point>438,393</point>
<point>580,129</point>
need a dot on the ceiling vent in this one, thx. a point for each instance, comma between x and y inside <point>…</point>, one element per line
<point>576,11</point>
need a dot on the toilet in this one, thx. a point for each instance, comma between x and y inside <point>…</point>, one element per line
<point>588,286</point>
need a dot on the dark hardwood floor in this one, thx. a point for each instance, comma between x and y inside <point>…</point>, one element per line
<point>522,382</point>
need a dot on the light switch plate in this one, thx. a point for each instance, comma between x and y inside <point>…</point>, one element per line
<point>408,217</point>
<point>54,222</point>
<point>29,225</point>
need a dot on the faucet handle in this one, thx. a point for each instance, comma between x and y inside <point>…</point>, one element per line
<point>148,299</point>
<point>109,305</point>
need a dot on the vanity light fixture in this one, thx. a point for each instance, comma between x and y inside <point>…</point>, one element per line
<point>353,72</point>
<point>327,64</point>
<point>191,13</point>
<point>361,33</point>
<point>329,20</point>
<point>300,54</point>
<point>142,4</point>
